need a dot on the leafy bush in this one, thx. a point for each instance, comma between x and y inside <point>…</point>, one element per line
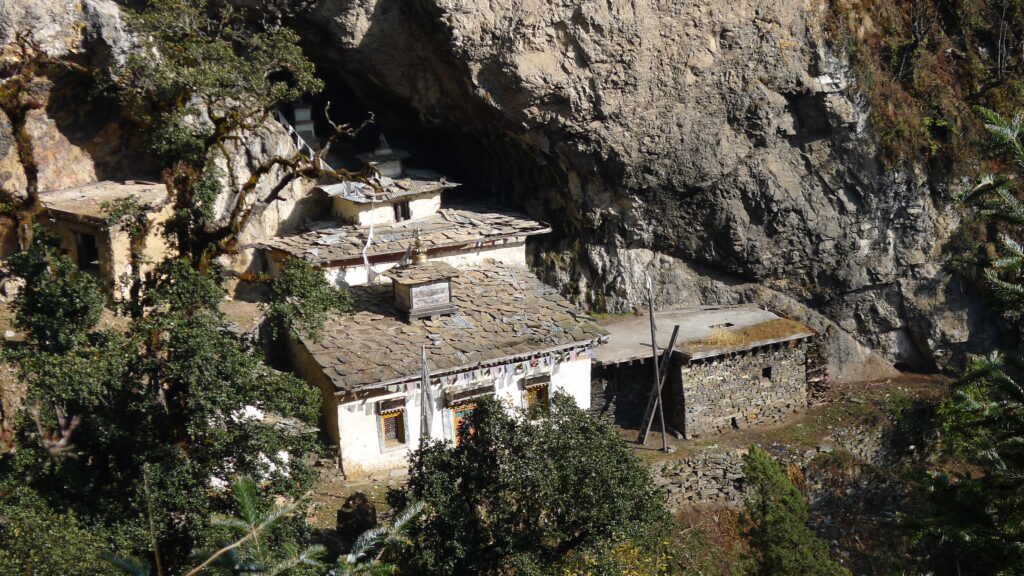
<point>40,540</point>
<point>301,299</point>
<point>533,496</point>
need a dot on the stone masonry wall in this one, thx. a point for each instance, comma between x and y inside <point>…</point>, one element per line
<point>760,386</point>
<point>704,478</point>
<point>622,392</point>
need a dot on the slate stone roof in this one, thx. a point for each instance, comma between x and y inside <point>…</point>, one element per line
<point>448,228</point>
<point>389,189</point>
<point>421,273</point>
<point>504,312</point>
<point>704,332</point>
<point>85,203</point>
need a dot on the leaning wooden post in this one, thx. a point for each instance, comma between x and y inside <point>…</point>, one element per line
<point>655,400</point>
<point>655,361</point>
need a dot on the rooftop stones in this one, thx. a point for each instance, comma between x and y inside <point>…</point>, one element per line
<point>505,314</point>
<point>422,273</point>
<point>447,229</point>
<point>423,288</point>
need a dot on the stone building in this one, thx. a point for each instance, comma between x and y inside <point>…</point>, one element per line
<point>78,217</point>
<point>489,330</point>
<point>732,367</point>
<point>371,229</point>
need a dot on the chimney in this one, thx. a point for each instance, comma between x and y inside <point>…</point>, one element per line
<point>423,288</point>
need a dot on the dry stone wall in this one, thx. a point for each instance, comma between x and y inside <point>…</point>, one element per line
<point>760,386</point>
<point>704,478</point>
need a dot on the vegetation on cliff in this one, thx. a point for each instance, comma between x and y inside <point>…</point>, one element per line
<point>925,65</point>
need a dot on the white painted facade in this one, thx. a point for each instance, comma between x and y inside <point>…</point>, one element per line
<point>381,214</point>
<point>511,252</point>
<point>359,431</point>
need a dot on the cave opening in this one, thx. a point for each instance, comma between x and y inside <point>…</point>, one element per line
<point>491,167</point>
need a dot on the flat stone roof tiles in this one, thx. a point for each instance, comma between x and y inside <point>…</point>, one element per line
<point>421,273</point>
<point>449,228</point>
<point>505,313</point>
<point>85,203</point>
<point>389,189</point>
<point>704,332</point>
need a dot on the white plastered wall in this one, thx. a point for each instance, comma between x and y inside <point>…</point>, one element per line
<point>423,206</point>
<point>358,422</point>
<point>573,378</point>
<point>363,214</point>
<point>512,254</point>
<point>384,214</point>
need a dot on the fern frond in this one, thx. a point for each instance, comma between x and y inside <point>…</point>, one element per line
<point>131,566</point>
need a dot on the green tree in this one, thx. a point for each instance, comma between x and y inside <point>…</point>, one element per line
<point>59,304</point>
<point>977,524</point>
<point>976,521</point>
<point>1001,209</point>
<point>517,495</point>
<point>253,547</point>
<point>39,540</point>
<point>375,551</point>
<point>301,298</point>
<point>779,538</point>
<point>167,408</point>
<point>203,80</point>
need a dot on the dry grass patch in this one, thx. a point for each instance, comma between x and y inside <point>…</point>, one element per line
<point>727,339</point>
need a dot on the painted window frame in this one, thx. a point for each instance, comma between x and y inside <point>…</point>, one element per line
<point>387,409</point>
<point>402,210</point>
<point>528,385</point>
<point>467,406</point>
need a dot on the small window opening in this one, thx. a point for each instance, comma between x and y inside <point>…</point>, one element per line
<point>87,251</point>
<point>402,212</point>
<point>537,396</point>
<point>460,418</point>
<point>392,426</point>
<point>766,373</point>
<point>735,426</point>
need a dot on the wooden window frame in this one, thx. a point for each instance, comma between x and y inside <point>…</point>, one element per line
<point>470,406</point>
<point>403,211</point>
<point>531,385</point>
<point>392,409</point>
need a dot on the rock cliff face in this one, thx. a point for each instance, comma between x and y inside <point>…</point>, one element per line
<point>720,147</point>
<point>79,137</point>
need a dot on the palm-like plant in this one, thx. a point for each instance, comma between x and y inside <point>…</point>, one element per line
<point>378,542</point>
<point>980,510</point>
<point>999,204</point>
<point>249,554</point>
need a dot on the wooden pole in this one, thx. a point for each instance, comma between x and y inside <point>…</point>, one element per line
<point>655,360</point>
<point>654,398</point>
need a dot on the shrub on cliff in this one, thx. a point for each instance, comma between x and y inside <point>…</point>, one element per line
<point>779,538</point>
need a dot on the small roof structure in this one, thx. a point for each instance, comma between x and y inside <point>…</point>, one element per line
<point>388,189</point>
<point>332,244</point>
<point>85,203</point>
<point>420,273</point>
<point>704,332</point>
<point>505,314</point>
